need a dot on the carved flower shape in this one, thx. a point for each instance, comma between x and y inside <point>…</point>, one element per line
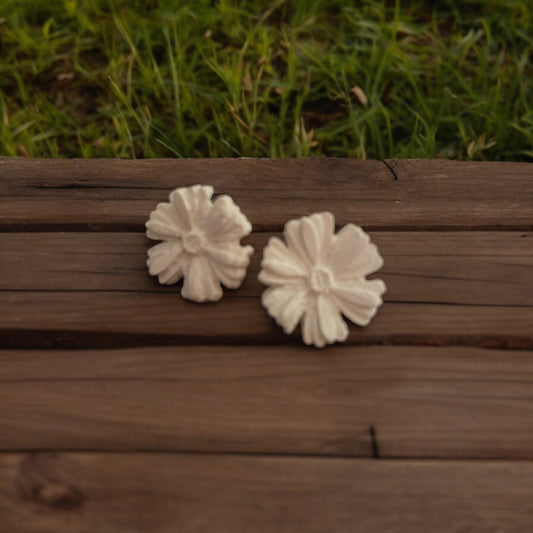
<point>201,243</point>
<point>317,275</point>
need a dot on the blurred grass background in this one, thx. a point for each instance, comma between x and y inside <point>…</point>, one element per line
<point>366,79</point>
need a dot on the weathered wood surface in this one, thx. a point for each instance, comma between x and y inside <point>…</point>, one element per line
<point>111,319</point>
<point>385,401</point>
<point>447,267</point>
<point>444,371</point>
<point>107,194</point>
<point>443,287</point>
<point>48,493</point>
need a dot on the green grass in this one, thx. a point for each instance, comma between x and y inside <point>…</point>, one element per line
<point>367,79</point>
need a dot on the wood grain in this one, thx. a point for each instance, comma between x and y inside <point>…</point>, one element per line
<point>164,493</point>
<point>106,194</point>
<point>477,268</point>
<point>477,193</point>
<point>389,401</point>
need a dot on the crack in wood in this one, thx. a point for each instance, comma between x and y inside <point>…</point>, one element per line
<point>104,187</point>
<point>374,442</point>
<point>391,168</point>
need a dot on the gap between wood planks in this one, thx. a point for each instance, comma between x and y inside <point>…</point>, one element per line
<point>373,457</point>
<point>258,228</point>
<point>72,339</point>
<point>373,445</point>
<point>392,459</point>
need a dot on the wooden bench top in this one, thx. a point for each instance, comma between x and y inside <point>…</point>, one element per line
<point>124,407</point>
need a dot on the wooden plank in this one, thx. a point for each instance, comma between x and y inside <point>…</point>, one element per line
<point>160,493</point>
<point>472,271</point>
<point>478,193</point>
<point>483,268</point>
<point>118,193</point>
<point>105,194</point>
<point>352,401</point>
<point>113,319</point>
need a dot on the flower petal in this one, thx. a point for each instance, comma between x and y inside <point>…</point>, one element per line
<point>285,306</point>
<point>293,311</point>
<point>229,262</point>
<point>311,239</point>
<point>203,203</point>
<point>353,255</point>
<point>192,204</point>
<point>295,242</point>
<point>311,332</point>
<point>317,232</point>
<point>358,300</point>
<point>230,277</point>
<point>277,250</point>
<point>167,261</point>
<point>280,269</point>
<point>331,324</point>
<point>201,284</point>
<point>326,222</point>
<point>164,223</point>
<point>279,266</point>
<point>275,298</point>
<point>230,254</point>
<point>179,200</point>
<point>225,221</point>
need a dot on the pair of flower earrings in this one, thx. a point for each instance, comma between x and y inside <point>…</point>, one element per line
<point>313,277</point>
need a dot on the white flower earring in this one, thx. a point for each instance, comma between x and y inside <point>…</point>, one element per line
<point>201,243</point>
<point>317,275</point>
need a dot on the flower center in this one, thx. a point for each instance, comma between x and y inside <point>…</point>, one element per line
<point>193,242</point>
<point>320,279</point>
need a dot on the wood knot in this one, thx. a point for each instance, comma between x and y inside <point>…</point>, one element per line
<point>57,495</point>
<point>46,479</point>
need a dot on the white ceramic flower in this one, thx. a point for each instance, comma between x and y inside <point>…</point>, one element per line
<point>318,275</point>
<point>201,243</point>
